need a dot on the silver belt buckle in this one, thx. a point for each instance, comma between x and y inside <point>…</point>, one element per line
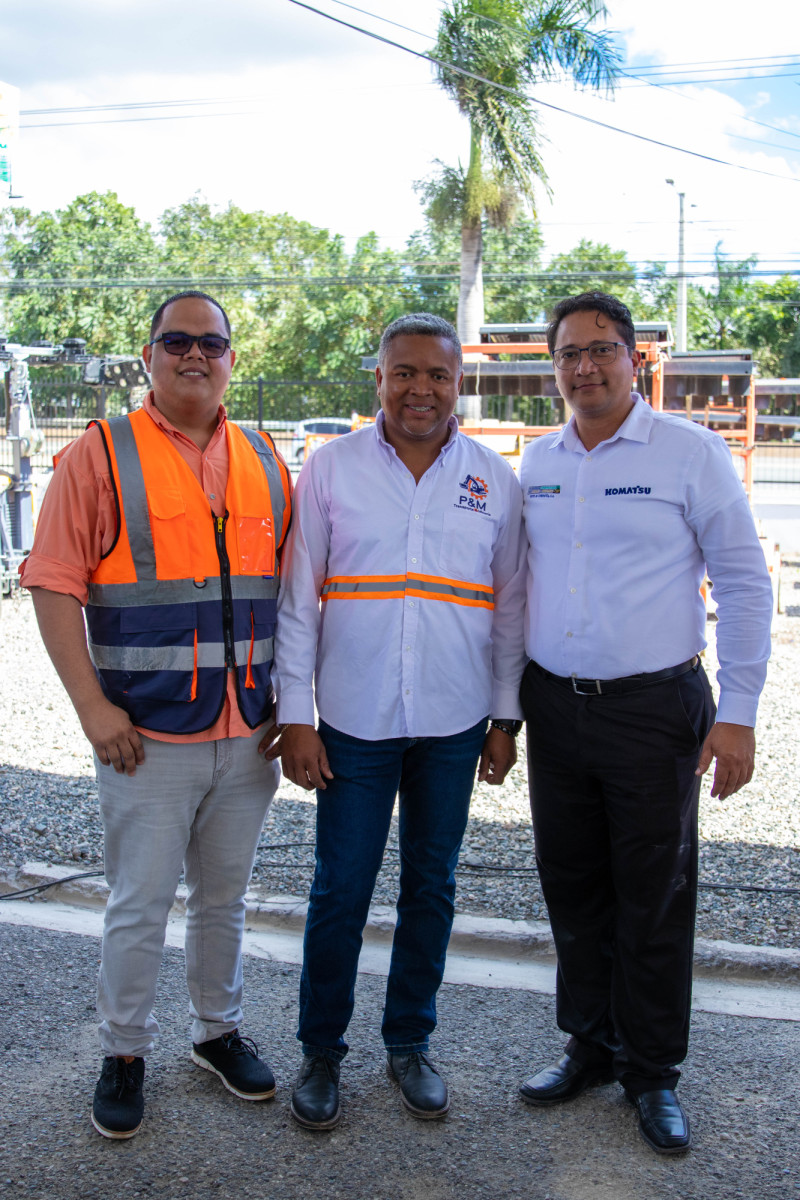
<point>598,691</point>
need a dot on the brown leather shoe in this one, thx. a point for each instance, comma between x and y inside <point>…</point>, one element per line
<point>565,1080</point>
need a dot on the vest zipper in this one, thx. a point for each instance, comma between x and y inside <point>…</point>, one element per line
<point>225,585</point>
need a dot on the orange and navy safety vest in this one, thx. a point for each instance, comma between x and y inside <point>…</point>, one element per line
<point>183,595</point>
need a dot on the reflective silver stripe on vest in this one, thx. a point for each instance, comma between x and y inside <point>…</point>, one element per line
<point>180,591</point>
<point>176,658</point>
<point>273,474</point>
<point>134,498</point>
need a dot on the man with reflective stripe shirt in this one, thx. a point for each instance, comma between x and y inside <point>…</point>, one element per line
<point>625,509</point>
<point>149,522</point>
<point>403,604</point>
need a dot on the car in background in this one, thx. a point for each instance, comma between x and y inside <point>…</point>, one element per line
<point>329,426</point>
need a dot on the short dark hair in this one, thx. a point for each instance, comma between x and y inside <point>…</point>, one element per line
<point>600,302</point>
<point>191,294</point>
<point>415,324</point>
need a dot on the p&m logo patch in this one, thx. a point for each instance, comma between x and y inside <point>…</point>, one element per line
<point>476,490</point>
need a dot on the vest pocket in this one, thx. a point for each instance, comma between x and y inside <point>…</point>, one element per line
<point>170,533</point>
<point>255,543</point>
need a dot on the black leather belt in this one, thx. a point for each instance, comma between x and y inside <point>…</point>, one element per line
<point>615,687</point>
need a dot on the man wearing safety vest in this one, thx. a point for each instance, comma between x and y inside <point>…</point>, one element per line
<point>166,526</point>
<point>404,592</point>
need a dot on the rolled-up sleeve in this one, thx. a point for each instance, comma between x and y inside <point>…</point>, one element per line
<point>77,523</point>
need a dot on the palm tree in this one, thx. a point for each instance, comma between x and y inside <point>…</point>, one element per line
<point>513,43</point>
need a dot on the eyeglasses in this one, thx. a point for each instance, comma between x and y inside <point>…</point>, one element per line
<point>601,354</point>
<point>211,344</point>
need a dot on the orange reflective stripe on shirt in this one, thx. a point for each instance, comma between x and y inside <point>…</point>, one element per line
<point>397,587</point>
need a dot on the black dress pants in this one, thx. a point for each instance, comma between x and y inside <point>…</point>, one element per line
<point>614,802</point>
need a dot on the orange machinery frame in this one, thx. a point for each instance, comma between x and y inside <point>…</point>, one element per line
<point>740,441</point>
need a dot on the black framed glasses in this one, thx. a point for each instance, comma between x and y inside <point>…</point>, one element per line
<point>601,354</point>
<point>211,345</point>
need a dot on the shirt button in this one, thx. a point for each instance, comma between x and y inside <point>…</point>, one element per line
<point>211,496</point>
<point>413,560</point>
<point>569,633</point>
<point>411,604</point>
<point>407,647</point>
<point>581,498</point>
<point>408,691</point>
<point>572,589</point>
<point>416,516</point>
<point>579,545</point>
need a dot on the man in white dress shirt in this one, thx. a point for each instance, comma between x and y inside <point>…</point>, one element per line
<point>625,509</point>
<point>410,534</point>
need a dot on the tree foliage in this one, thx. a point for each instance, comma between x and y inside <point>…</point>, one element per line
<point>488,53</point>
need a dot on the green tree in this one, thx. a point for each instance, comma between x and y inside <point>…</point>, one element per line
<point>591,267</point>
<point>770,325</point>
<point>723,321</point>
<point>512,265</point>
<point>514,44</point>
<point>64,268</point>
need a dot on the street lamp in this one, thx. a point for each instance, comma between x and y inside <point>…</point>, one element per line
<point>680,323</point>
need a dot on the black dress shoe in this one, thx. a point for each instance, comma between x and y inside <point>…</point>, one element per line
<point>315,1099</point>
<point>565,1080</point>
<point>422,1089</point>
<point>662,1122</point>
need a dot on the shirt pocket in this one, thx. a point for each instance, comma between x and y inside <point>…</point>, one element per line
<point>467,546</point>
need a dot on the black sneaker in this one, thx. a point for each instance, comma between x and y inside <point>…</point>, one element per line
<point>118,1099</point>
<point>235,1059</point>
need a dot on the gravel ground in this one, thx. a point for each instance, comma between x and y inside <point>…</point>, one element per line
<point>49,809</point>
<point>740,1088</point>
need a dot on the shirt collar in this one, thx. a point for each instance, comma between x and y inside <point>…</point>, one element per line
<point>636,427</point>
<point>167,426</point>
<point>380,433</point>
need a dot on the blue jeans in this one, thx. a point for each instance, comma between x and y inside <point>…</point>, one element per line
<point>434,777</point>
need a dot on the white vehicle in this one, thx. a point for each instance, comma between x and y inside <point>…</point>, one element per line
<point>329,426</point>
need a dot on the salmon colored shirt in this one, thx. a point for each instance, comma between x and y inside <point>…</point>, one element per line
<point>78,523</point>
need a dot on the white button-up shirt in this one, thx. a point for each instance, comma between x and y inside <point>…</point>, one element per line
<point>620,537</point>
<point>406,599</point>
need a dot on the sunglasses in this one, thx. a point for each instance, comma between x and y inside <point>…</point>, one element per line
<point>211,344</point>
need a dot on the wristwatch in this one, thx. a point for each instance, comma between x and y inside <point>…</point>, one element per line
<point>512,728</point>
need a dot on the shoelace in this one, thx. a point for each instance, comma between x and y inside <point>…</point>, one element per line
<point>124,1078</point>
<point>239,1045</point>
<point>418,1059</point>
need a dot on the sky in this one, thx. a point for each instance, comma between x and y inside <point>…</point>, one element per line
<point>292,112</point>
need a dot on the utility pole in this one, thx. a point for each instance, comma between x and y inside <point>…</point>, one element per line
<point>680,323</point>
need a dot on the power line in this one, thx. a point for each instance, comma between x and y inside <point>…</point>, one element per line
<point>542,103</point>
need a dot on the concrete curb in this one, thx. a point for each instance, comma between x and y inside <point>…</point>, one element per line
<point>486,937</point>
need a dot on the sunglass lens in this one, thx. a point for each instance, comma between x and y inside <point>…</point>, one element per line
<point>176,343</point>
<point>212,347</point>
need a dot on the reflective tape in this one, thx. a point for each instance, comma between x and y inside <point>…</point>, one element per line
<point>427,587</point>
<point>180,591</point>
<point>210,655</point>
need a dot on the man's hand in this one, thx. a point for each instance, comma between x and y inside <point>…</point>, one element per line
<point>734,747</point>
<point>116,743</point>
<point>303,757</point>
<point>497,757</point>
<point>270,744</point>
<point>108,727</point>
